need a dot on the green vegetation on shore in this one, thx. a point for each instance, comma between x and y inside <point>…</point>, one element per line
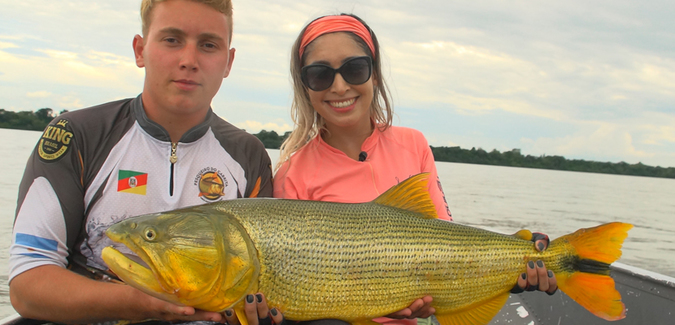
<point>26,120</point>
<point>514,158</point>
<point>38,121</point>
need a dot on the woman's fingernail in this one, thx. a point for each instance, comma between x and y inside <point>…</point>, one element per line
<point>524,276</point>
<point>540,263</point>
<point>550,273</point>
<point>228,312</point>
<point>530,264</point>
<point>259,297</point>
<point>541,246</point>
<point>273,311</point>
<point>249,299</point>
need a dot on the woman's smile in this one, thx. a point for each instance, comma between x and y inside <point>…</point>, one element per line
<point>342,105</point>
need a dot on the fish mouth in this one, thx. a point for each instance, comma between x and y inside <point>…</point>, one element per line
<point>136,273</point>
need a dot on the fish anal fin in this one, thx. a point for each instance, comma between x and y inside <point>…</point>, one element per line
<point>595,292</point>
<point>411,195</point>
<point>241,314</point>
<point>480,314</point>
<point>364,322</point>
<point>523,234</point>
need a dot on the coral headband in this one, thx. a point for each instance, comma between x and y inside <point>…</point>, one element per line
<point>332,24</point>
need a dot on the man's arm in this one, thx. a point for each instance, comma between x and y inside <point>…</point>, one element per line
<point>56,294</point>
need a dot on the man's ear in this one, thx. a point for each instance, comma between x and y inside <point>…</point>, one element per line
<point>139,44</point>
<point>229,63</point>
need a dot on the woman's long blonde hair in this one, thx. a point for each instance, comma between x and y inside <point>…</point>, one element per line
<point>308,123</point>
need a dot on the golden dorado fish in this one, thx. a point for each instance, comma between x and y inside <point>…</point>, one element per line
<point>354,262</point>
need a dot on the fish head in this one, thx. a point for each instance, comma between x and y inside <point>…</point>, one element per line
<point>188,257</point>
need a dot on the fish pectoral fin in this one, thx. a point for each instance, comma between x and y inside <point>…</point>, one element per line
<point>411,195</point>
<point>523,234</point>
<point>476,314</point>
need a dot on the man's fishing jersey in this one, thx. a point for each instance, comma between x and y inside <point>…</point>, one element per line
<point>96,166</point>
<point>322,173</point>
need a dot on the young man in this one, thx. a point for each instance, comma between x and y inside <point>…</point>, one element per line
<point>162,150</point>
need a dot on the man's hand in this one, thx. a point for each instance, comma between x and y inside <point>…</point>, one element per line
<point>167,311</point>
<point>57,294</point>
<point>420,308</point>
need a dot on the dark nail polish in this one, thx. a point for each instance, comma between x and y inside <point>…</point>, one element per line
<point>249,298</point>
<point>530,264</point>
<point>550,273</point>
<point>259,297</point>
<point>273,311</point>
<point>540,263</point>
<point>228,312</point>
<point>524,276</point>
<point>541,246</point>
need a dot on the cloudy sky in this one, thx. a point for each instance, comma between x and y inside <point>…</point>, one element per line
<point>590,80</point>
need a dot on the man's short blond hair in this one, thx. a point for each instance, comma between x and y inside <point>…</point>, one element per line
<point>223,6</point>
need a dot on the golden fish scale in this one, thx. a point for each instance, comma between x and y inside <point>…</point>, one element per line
<point>330,260</point>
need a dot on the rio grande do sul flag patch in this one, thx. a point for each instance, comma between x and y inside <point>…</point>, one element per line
<point>133,182</point>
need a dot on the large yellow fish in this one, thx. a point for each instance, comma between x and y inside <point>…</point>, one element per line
<point>354,262</point>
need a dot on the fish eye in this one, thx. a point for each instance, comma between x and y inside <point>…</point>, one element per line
<point>150,234</point>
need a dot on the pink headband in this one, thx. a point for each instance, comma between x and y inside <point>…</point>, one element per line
<point>332,24</point>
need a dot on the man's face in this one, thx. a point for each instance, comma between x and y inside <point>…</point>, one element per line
<point>186,55</point>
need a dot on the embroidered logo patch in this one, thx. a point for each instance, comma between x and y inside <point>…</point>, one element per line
<point>133,182</point>
<point>211,183</point>
<point>55,141</point>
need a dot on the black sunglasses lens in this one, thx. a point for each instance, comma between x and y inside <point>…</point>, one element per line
<point>319,77</point>
<point>357,71</point>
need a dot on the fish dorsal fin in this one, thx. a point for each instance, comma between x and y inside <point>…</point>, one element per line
<point>480,314</point>
<point>411,195</point>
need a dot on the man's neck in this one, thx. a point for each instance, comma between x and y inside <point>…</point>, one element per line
<point>174,121</point>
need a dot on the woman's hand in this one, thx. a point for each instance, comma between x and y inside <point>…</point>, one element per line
<point>537,277</point>
<point>257,312</point>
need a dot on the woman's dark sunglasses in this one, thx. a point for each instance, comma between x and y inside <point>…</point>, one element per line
<point>354,71</point>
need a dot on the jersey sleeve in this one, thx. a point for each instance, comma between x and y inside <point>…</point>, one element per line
<point>262,177</point>
<point>50,192</point>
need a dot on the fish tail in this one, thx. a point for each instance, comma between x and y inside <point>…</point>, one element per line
<point>586,278</point>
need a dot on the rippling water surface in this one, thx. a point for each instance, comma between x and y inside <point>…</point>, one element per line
<point>498,198</point>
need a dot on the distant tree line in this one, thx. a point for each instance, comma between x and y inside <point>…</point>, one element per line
<point>514,158</point>
<point>271,139</point>
<point>39,119</point>
<point>27,120</point>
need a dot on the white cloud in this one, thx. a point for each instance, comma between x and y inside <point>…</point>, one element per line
<point>38,94</point>
<point>63,68</point>
<point>59,55</point>
<point>6,45</point>
<point>608,71</point>
<point>70,103</point>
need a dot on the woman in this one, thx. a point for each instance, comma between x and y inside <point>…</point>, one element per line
<point>344,147</point>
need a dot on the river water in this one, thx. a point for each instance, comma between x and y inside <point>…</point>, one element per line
<point>504,199</point>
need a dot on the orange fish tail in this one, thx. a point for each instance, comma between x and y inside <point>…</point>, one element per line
<point>587,279</point>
